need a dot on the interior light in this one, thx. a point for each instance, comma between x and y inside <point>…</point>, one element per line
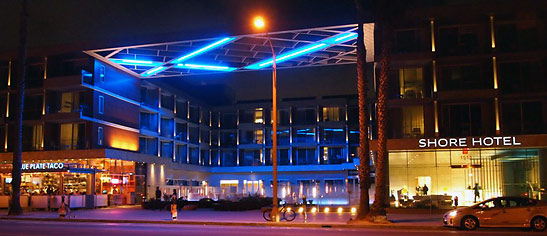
<point>313,210</point>
<point>203,49</point>
<point>325,43</point>
<point>353,210</point>
<point>154,71</point>
<point>340,209</point>
<point>136,62</point>
<point>327,210</point>
<point>205,67</point>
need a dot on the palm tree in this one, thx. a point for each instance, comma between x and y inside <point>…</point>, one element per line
<point>364,150</point>
<point>15,204</point>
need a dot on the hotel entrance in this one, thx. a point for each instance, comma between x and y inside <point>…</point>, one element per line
<point>470,174</point>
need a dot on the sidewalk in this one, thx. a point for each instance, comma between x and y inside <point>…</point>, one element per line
<point>134,214</point>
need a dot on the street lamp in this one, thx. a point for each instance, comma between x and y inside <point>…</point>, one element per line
<point>259,24</point>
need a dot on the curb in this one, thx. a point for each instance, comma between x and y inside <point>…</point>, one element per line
<point>269,224</point>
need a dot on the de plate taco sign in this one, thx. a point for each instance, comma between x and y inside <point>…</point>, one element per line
<point>507,141</point>
<point>41,167</point>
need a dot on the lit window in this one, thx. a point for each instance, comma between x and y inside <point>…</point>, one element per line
<point>259,136</point>
<point>259,116</point>
<point>102,71</point>
<point>100,135</point>
<point>101,105</point>
<point>331,114</point>
<point>411,83</point>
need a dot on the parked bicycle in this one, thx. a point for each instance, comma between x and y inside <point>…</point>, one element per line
<point>286,213</point>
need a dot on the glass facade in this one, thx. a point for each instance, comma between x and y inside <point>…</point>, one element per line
<point>456,172</point>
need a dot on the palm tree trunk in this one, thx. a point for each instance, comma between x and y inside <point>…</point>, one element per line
<point>364,149</point>
<point>380,197</point>
<point>15,204</point>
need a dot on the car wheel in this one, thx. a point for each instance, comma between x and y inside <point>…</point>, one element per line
<point>538,223</point>
<point>469,223</point>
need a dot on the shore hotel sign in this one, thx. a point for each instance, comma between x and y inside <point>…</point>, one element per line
<point>508,141</point>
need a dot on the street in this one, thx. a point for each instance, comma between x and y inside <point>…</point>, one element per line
<point>10,227</point>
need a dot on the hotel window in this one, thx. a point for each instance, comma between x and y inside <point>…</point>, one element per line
<point>102,73</point>
<point>35,74</point>
<point>309,188</point>
<point>282,157</point>
<point>283,117</point>
<point>228,138</point>
<point>228,158</point>
<point>353,115</point>
<point>283,137</point>
<point>332,114</point>
<point>462,120</point>
<point>411,83</point>
<point>259,116</point>
<point>214,158</point>
<point>335,187</point>
<point>460,40</point>
<point>304,156</point>
<point>332,155</point>
<point>167,101</point>
<point>167,128</point>
<point>229,121</point>
<point>194,114</point>
<point>33,107</point>
<point>204,136</point>
<point>250,157</point>
<point>465,77</point>
<point>304,135</point>
<point>181,132</point>
<point>408,41</point>
<point>405,122</point>
<point>100,136</point>
<point>304,116</point>
<point>149,97</point>
<point>251,136</point>
<point>149,121</point>
<point>205,118</point>
<point>148,146</point>
<point>204,157</point>
<point>101,105</point>
<point>4,71</point>
<point>194,135</point>
<point>333,135</point>
<point>72,136</point>
<point>166,149</point>
<point>522,118</point>
<point>519,77</point>
<point>517,36</point>
<point>181,154</point>
<point>182,110</point>
<point>194,155</point>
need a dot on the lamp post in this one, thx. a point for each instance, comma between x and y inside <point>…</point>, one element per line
<point>259,23</point>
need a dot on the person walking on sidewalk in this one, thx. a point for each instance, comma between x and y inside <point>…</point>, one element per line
<point>425,189</point>
<point>305,208</point>
<point>174,207</point>
<point>158,193</point>
<point>455,202</point>
<point>477,193</point>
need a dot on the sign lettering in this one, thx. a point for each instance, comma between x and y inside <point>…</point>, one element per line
<point>468,142</point>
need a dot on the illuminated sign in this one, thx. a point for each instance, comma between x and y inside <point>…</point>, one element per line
<point>468,142</point>
<point>34,167</point>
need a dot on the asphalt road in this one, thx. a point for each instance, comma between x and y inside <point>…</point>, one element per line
<point>10,227</point>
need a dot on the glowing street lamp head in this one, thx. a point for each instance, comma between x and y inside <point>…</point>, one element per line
<point>259,22</point>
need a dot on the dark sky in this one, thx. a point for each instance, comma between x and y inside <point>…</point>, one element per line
<point>74,25</point>
<point>108,23</point>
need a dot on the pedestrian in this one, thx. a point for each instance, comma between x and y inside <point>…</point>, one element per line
<point>49,192</point>
<point>158,193</point>
<point>174,207</point>
<point>305,208</point>
<point>477,193</point>
<point>425,189</point>
<point>63,208</point>
<point>455,201</point>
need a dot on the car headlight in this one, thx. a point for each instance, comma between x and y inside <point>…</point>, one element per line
<point>453,213</point>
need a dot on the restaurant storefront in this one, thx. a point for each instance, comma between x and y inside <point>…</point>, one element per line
<point>473,169</point>
<point>92,182</point>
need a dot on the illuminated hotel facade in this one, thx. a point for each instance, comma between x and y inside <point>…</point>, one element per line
<point>467,106</point>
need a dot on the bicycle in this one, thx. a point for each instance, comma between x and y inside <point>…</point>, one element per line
<point>286,213</point>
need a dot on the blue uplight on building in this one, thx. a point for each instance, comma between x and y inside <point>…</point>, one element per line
<point>203,49</point>
<point>205,67</point>
<point>135,62</point>
<point>153,71</point>
<point>325,43</point>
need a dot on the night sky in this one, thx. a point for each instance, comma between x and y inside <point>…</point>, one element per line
<point>75,25</point>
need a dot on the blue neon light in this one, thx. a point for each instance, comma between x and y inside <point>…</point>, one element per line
<point>205,67</point>
<point>154,71</point>
<point>325,43</point>
<point>136,62</point>
<point>202,50</point>
<point>334,130</point>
